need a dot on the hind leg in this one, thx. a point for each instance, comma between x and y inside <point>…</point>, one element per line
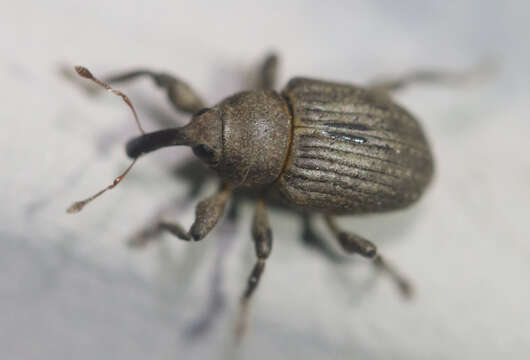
<point>480,70</point>
<point>355,244</point>
<point>314,241</point>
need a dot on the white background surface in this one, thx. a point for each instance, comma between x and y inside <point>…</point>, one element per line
<point>70,288</point>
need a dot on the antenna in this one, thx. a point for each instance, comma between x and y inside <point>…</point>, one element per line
<point>85,73</point>
<point>79,205</point>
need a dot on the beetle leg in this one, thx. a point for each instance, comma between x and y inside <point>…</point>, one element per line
<point>479,71</point>
<point>350,242</point>
<point>403,284</point>
<point>179,93</point>
<point>262,235</point>
<point>268,73</point>
<point>312,240</point>
<point>353,243</point>
<point>207,214</point>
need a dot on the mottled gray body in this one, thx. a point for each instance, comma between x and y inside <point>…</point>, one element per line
<point>353,150</point>
<point>324,147</point>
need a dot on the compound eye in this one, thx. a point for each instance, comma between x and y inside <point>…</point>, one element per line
<point>205,153</point>
<point>201,111</point>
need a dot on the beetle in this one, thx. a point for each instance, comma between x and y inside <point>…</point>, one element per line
<point>321,147</point>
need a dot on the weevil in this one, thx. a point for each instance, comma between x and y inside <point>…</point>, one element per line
<point>321,147</point>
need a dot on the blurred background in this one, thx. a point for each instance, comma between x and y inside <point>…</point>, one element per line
<point>71,288</point>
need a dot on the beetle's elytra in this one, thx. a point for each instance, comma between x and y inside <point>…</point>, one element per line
<point>353,150</point>
<point>323,147</point>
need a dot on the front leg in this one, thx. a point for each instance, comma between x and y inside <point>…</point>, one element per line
<point>355,244</point>
<point>207,214</point>
<point>179,93</point>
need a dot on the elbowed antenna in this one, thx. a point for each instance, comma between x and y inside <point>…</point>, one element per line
<point>79,205</point>
<point>138,146</point>
<point>153,141</point>
<point>84,72</point>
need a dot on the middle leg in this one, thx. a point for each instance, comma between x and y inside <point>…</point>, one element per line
<point>268,73</point>
<point>262,235</point>
<point>261,232</point>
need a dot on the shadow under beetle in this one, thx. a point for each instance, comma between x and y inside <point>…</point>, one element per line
<point>322,147</point>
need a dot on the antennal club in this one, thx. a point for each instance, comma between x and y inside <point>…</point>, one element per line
<point>85,73</point>
<point>79,205</point>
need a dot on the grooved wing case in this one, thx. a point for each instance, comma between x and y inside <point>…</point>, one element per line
<point>353,150</point>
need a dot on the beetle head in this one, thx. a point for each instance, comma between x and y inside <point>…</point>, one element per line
<point>244,138</point>
<point>202,134</point>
